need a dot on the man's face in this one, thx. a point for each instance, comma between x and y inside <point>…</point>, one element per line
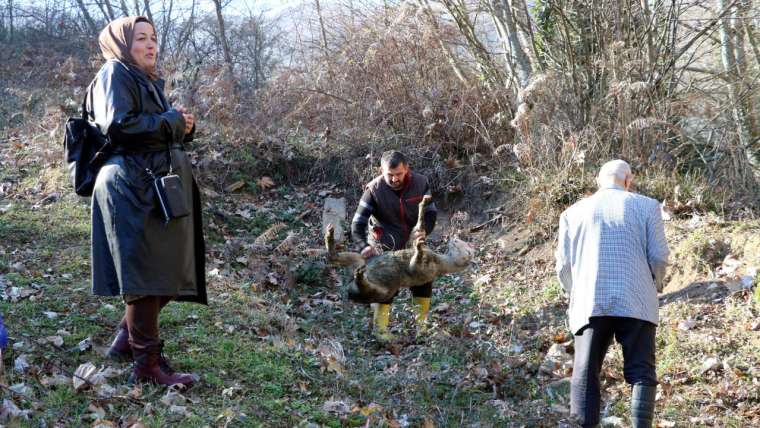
<point>394,177</point>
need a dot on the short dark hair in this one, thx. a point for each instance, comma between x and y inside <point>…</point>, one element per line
<point>393,159</point>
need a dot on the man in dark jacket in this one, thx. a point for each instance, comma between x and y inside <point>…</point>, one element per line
<point>389,209</point>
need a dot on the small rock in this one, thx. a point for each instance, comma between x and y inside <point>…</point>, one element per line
<point>483,280</point>
<point>52,197</point>
<point>336,406</point>
<point>85,344</point>
<point>180,410</point>
<point>556,358</point>
<point>21,364</point>
<point>687,324</point>
<point>23,389</point>
<point>18,267</point>
<point>612,421</point>
<point>709,364</point>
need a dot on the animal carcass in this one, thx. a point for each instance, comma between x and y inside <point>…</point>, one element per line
<point>379,278</point>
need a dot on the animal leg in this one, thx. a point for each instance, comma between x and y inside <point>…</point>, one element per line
<point>421,214</point>
<point>344,258</point>
<point>418,255</point>
<point>330,240</point>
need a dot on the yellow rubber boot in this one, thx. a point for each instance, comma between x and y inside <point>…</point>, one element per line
<point>421,310</point>
<point>380,320</point>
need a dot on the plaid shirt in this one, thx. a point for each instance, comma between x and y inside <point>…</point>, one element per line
<point>611,256</point>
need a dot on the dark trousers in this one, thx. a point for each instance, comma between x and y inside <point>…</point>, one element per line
<point>637,338</point>
<point>424,290</point>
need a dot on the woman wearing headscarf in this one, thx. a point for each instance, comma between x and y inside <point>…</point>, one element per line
<point>136,253</point>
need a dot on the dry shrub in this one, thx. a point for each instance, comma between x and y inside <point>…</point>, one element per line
<point>330,117</point>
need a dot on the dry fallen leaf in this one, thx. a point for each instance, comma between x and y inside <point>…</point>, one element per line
<point>180,410</point>
<point>336,406</point>
<point>87,374</point>
<point>173,397</point>
<point>55,340</point>
<point>55,380</point>
<point>96,412</point>
<point>234,186</point>
<point>231,391</point>
<point>9,411</point>
<point>368,410</point>
<point>265,182</point>
<point>333,356</point>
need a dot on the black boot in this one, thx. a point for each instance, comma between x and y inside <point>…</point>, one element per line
<point>642,406</point>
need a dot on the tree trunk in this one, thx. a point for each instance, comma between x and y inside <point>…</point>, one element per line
<point>103,10</point>
<point>738,114</point>
<point>322,30</point>
<point>87,17</point>
<point>124,8</point>
<point>522,66</point>
<point>165,30</point>
<point>148,12</point>
<point>752,37</point>
<point>137,7</point>
<point>743,68</point>
<point>187,30</point>
<point>223,36</point>
<point>109,8</point>
<point>425,5</point>
<point>648,19</point>
<point>10,20</point>
<point>491,72</point>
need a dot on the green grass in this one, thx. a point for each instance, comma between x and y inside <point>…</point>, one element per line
<point>478,366</point>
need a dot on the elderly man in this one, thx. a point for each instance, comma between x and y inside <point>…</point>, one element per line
<point>389,206</point>
<point>611,260</point>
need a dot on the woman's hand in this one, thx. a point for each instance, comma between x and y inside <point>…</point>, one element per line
<point>189,119</point>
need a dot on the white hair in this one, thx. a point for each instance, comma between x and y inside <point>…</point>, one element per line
<point>614,170</point>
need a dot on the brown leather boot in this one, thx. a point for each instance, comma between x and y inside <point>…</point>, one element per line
<point>146,369</point>
<point>163,362</point>
<point>120,349</point>
<point>142,319</point>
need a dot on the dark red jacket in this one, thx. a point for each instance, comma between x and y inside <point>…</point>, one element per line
<point>390,214</point>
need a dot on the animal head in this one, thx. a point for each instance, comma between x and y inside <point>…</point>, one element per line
<point>460,252</point>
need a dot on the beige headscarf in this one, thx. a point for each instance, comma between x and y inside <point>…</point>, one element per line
<point>116,41</point>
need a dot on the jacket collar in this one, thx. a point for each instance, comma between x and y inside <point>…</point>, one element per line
<point>611,186</point>
<point>143,79</point>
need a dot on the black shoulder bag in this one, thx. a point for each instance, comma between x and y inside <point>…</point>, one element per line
<point>85,150</point>
<point>169,191</point>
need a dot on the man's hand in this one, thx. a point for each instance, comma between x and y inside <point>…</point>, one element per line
<point>189,119</point>
<point>368,252</point>
<point>419,234</point>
